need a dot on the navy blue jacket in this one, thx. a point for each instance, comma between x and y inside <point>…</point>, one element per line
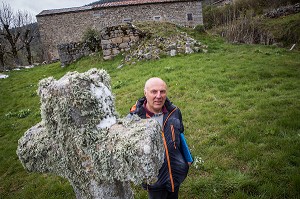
<point>174,169</point>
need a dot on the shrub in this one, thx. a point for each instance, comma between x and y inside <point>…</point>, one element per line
<point>215,16</point>
<point>92,38</point>
<point>200,29</point>
<point>246,30</point>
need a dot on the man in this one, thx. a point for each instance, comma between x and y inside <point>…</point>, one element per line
<point>156,105</point>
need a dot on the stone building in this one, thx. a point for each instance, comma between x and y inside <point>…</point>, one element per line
<point>218,2</point>
<point>67,25</point>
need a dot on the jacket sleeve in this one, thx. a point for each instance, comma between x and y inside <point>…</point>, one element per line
<point>181,123</point>
<point>184,146</point>
<point>185,149</point>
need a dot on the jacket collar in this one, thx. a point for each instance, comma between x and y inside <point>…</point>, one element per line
<point>149,113</point>
<point>168,104</point>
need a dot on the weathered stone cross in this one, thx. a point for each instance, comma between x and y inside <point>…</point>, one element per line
<point>81,138</point>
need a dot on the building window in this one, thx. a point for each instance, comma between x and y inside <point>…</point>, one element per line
<point>98,14</point>
<point>156,18</point>
<point>190,17</point>
<point>127,20</point>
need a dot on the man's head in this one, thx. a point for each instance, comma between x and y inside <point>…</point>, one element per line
<point>155,92</point>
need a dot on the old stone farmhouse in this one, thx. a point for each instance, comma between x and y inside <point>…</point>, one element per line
<point>68,25</point>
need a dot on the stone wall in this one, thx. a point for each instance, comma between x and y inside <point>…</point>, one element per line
<point>283,11</point>
<point>114,40</point>
<point>66,27</point>
<point>73,51</point>
<point>60,29</point>
<point>118,39</point>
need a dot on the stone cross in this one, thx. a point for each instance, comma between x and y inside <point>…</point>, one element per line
<point>82,139</point>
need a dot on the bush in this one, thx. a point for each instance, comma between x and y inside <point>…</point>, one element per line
<point>200,29</point>
<point>246,30</point>
<point>215,16</point>
<point>286,30</point>
<point>92,38</point>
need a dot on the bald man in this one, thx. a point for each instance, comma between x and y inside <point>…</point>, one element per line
<point>156,105</point>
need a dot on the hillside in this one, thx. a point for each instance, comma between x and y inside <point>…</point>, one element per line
<point>254,22</point>
<point>240,106</point>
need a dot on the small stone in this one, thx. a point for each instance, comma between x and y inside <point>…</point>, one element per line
<point>173,53</point>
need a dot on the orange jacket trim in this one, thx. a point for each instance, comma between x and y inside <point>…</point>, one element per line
<point>167,151</point>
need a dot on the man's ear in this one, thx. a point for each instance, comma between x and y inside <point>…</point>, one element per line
<point>144,92</point>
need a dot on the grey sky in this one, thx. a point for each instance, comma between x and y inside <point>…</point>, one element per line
<point>36,6</point>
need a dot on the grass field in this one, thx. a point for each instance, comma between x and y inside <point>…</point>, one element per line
<point>241,111</point>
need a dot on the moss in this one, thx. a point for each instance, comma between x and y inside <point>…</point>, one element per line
<point>81,138</point>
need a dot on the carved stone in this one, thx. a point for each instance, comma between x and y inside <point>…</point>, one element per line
<point>81,138</point>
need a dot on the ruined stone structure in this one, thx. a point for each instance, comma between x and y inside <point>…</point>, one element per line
<point>81,138</point>
<point>68,25</point>
<point>116,39</point>
<point>130,39</point>
<point>283,11</point>
<point>73,51</point>
<point>113,40</point>
<point>218,2</point>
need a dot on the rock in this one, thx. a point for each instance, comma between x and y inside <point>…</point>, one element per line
<point>120,66</point>
<point>106,52</point>
<point>134,38</point>
<point>107,57</point>
<point>3,76</point>
<point>173,53</point>
<point>156,46</point>
<point>124,45</point>
<point>105,42</point>
<point>125,39</point>
<point>82,139</point>
<point>283,11</point>
<point>188,50</point>
<point>116,40</point>
<point>115,51</point>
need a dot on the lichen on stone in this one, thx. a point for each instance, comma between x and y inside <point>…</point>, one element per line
<point>81,138</point>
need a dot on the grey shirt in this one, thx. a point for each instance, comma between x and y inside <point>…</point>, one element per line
<point>159,117</point>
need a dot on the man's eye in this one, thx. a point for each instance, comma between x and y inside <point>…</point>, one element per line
<point>153,92</point>
<point>162,92</point>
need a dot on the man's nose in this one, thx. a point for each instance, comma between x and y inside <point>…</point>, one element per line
<point>158,95</point>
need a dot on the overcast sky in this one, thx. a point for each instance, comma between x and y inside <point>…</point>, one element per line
<point>36,6</point>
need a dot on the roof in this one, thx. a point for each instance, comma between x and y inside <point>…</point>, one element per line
<point>131,2</point>
<point>64,10</point>
<point>105,4</point>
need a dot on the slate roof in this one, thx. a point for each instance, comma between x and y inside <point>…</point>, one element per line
<point>64,10</point>
<point>130,2</point>
<point>105,4</point>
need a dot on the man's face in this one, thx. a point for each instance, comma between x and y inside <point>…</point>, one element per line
<point>156,94</point>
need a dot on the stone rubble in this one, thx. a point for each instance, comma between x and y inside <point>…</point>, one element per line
<point>73,51</point>
<point>283,11</point>
<point>117,39</point>
<point>135,44</point>
<point>158,46</point>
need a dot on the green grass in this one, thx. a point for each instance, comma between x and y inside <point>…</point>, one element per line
<point>241,111</point>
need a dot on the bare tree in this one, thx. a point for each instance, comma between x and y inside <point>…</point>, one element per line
<point>28,33</point>
<point>2,54</point>
<point>10,29</point>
